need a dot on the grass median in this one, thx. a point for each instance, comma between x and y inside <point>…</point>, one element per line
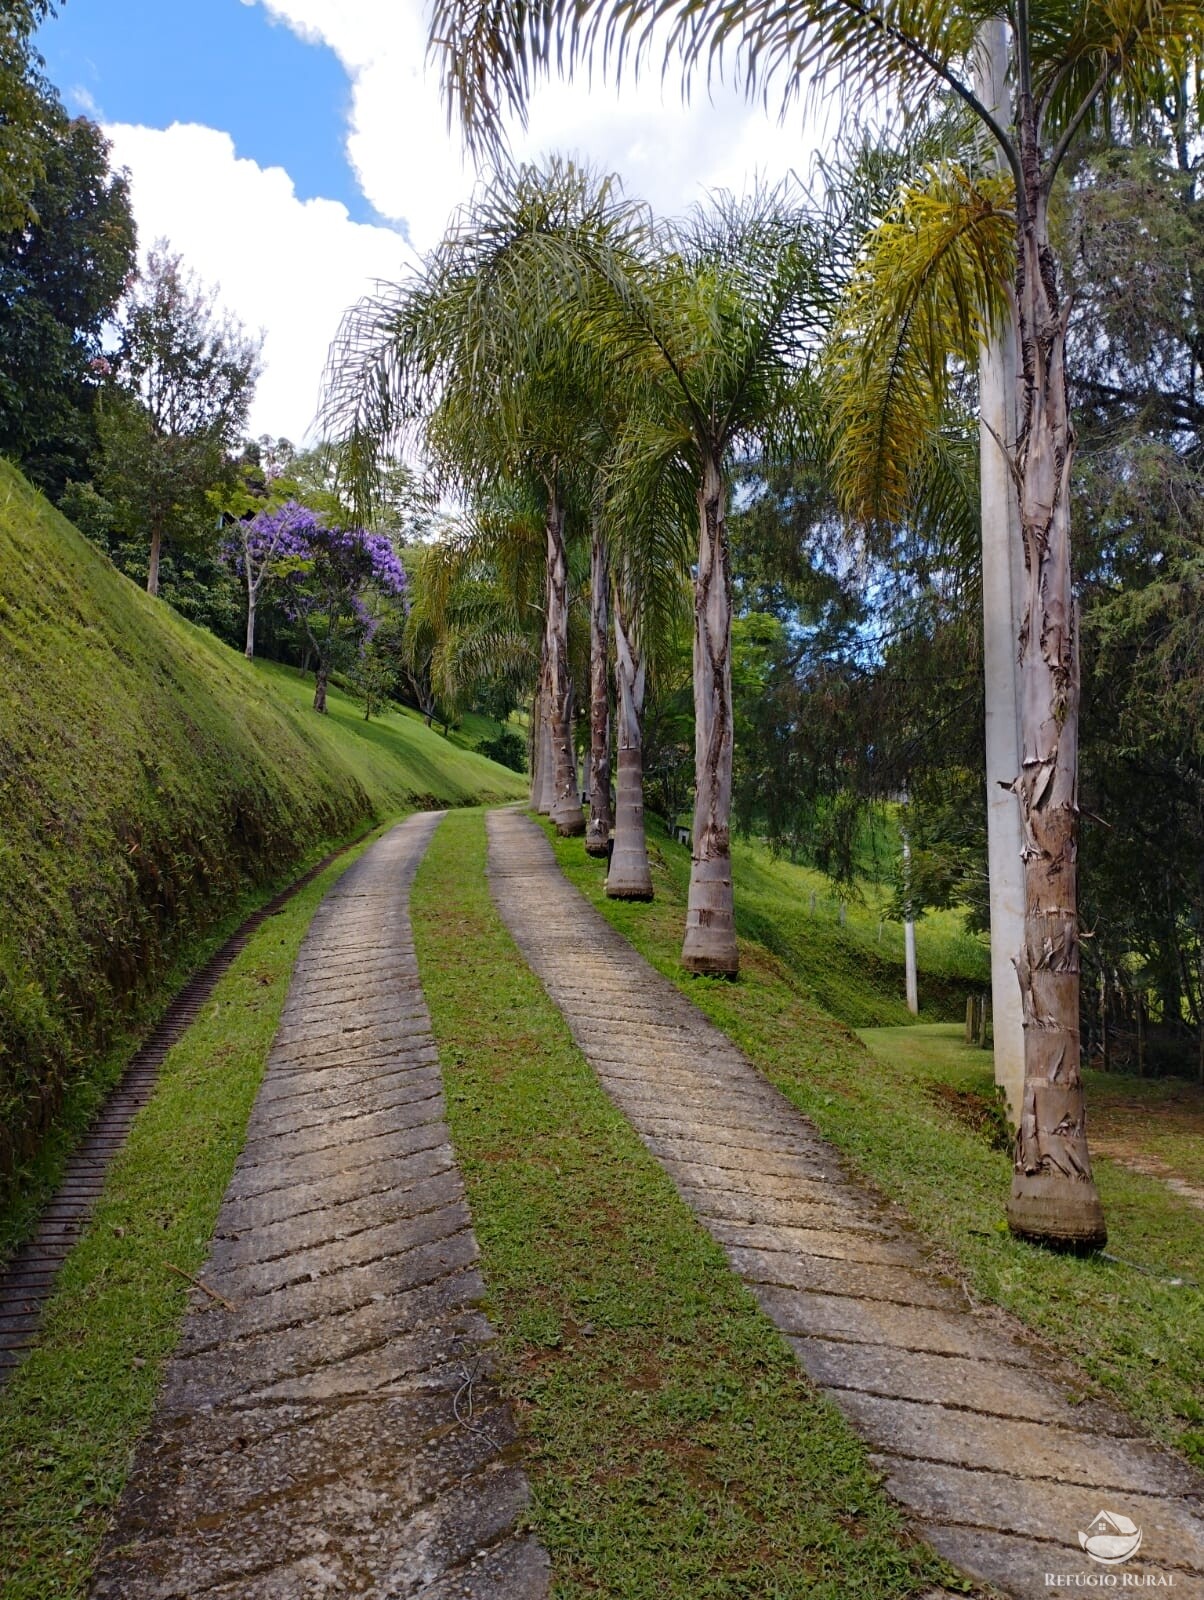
<point>1134,1321</point>
<point>674,1446</point>
<point>73,1412</point>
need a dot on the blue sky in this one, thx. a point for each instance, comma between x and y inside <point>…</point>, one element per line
<point>284,100</point>
<point>297,152</point>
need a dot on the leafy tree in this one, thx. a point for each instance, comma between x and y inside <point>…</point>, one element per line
<point>506,748</point>
<point>261,547</point>
<point>326,581</point>
<point>377,675</point>
<point>184,380</point>
<point>26,105</point>
<point>62,273</point>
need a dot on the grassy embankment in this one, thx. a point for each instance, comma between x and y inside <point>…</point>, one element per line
<point>898,1113</point>
<point>153,785</point>
<point>674,1446</point>
<point>72,1413</point>
<point>854,971</point>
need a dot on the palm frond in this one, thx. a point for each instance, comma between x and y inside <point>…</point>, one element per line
<point>932,282</point>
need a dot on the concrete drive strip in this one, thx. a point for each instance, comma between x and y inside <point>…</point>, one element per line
<point>976,1430</point>
<point>335,1431</point>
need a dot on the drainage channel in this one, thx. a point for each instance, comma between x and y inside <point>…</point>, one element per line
<point>28,1280</point>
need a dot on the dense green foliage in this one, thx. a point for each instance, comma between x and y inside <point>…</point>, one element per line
<point>61,277</point>
<point>148,777</point>
<point>23,108</point>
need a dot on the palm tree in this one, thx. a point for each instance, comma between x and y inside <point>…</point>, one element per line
<point>597,829</point>
<point>475,613</point>
<point>629,876</point>
<point>1071,66</point>
<point>474,358</point>
<point>646,502</point>
<point>711,330</point>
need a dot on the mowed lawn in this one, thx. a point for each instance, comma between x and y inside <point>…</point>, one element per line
<point>675,1448</point>
<point>899,1113</point>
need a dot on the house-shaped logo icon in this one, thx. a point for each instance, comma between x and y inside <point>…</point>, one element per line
<point>1111,1539</point>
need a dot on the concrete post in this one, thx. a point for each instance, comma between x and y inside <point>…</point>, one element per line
<point>1002,597</point>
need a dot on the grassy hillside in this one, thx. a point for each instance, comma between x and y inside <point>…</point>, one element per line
<point>853,971</point>
<point>150,780</point>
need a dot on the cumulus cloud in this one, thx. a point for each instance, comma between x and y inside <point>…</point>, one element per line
<point>411,167</point>
<point>292,267</point>
<point>287,266</point>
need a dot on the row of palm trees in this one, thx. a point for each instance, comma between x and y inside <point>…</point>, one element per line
<point>562,344</point>
<point>562,353</point>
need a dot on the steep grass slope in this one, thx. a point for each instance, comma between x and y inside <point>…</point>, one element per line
<point>852,970</point>
<point>150,779</point>
<point>855,970</point>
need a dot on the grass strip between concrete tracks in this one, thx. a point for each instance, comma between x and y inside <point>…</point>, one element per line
<point>674,1446</point>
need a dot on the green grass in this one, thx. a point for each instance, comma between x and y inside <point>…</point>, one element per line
<point>41,1175</point>
<point>1136,1325</point>
<point>855,971</point>
<point>73,1412</point>
<point>674,1446</point>
<point>396,747</point>
<point>150,778</point>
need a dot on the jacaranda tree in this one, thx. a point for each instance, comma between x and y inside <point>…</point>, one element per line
<point>326,575</point>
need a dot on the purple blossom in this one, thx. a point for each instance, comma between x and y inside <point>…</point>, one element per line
<point>321,571</point>
<point>281,534</point>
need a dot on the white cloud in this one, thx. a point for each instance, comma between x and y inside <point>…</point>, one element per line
<point>81,101</point>
<point>292,267</point>
<point>288,266</point>
<point>411,167</point>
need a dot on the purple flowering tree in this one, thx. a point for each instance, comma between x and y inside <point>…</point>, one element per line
<point>326,592</point>
<point>268,547</point>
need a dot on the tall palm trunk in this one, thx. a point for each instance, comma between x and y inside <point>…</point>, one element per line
<point>1053,1196</point>
<point>629,877</point>
<point>597,833</point>
<point>710,942</point>
<point>547,762</point>
<point>566,810</point>
<point>537,732</point>
<point>152,570</point>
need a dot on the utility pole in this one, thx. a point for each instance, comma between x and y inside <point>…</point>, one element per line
<point>911,976</point>
<point>1002,601</point>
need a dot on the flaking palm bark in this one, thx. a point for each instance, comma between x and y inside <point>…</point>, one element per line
<point>546,793</point>
<point>629,877</point>
<point>710,942</point>
<point>1053,1196</point>
<point>536,742</point>
<point>597,832</point>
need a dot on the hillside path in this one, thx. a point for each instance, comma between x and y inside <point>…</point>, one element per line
<point>972,1425</point>
<point>332,1430</point>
